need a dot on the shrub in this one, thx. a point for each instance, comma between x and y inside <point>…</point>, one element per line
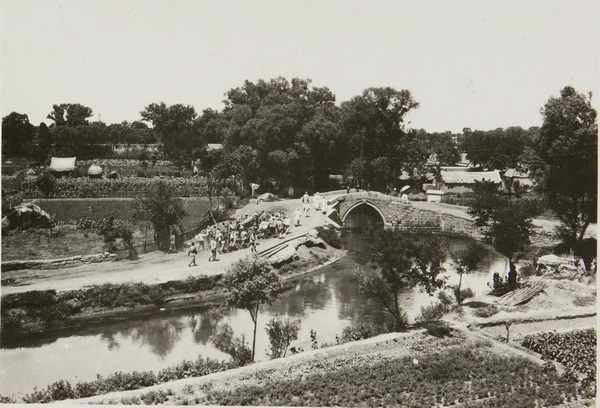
<point>281,334</point>
<point>361,332</point>
<point>486,311</point>
<point>330,235</point>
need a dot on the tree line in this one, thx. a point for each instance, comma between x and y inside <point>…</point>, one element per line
<point>278,131</point>
<point>289,133</point>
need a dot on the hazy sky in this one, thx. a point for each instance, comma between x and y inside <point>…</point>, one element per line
<point>478,64</point>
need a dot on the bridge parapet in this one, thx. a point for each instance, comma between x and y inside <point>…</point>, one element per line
<point>397,213</point>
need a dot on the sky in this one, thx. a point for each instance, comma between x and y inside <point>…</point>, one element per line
<point>477,64</point>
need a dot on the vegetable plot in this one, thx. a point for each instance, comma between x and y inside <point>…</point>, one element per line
<point>576,349</point>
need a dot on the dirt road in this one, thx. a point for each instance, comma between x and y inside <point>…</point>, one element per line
<point>156,267</point>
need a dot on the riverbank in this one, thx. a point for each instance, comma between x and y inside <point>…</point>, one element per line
<point>422,367</point>
<point>164,298</point>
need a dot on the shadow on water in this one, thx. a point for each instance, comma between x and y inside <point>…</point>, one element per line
<point>326,301</point>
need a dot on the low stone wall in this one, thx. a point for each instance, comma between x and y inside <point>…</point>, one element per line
<point>416,220</point>
<point>57,263</point>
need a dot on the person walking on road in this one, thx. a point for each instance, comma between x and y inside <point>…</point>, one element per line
<point>305,204</point>
<point>252,240</point>
<point>213,250</point>
<point>193,251</point>
<point>297,217</point>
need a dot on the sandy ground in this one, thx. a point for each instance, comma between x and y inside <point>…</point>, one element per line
<point>156,267</point>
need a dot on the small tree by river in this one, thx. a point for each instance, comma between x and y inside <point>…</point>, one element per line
<point>507,221</point>
<point>466,261</point>
<point>249,283</point>
<point>405,261</point>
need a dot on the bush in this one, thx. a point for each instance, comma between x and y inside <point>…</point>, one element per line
<point>281,334</point>
<point>330,235</point>
<point>107,187</point>
<point>486,311</point>
<point>361,332</point>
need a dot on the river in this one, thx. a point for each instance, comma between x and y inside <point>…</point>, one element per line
<point>326,302</point>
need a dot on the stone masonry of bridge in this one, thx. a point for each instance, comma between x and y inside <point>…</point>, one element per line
<point>402,215</point>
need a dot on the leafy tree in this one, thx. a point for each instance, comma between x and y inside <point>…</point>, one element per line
<point>70,114</point>
<point>465,261</point>
<point>405,261</point>
<point>17,135</point>
<point>249,283</point>
<point>174,125</point>
<point>290,125</point>
<point>374,127</point>
<point>281,333</point>
<point>506,219</point>
<point>162,209</point>
<point>566,169</point>
<point>498,149</point>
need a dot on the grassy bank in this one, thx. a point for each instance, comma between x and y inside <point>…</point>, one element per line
<point>38,311</point>
<point>67,210</point>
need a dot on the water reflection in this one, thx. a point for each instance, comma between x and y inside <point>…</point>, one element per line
<point>326,302</point>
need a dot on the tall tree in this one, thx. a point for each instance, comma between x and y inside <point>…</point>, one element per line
<point>70,114</point>
<point>498,149</point>
<point>566,169</point>
<point>373,124</point>
<point>17,135</point>
<point>249,283</point>
<point>162,209</point>
<point>507,221</point>
<point>174,125</point>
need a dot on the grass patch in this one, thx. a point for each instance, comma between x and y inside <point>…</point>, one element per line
<point>59,242</point>
<point>70,210</point>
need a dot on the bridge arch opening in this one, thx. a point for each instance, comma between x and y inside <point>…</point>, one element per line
<point>363,213</point>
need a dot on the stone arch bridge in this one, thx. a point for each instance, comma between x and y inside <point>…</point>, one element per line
<point>397,213</point>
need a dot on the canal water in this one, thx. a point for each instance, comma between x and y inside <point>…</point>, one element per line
<point>326,302</point>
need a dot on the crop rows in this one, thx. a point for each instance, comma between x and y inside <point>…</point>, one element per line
<point>475,378</point>
<point>123,187</point>
<point>576,349</point>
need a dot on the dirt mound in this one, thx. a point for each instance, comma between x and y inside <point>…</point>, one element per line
<point>559,294</point>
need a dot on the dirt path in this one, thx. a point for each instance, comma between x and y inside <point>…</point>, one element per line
<point>156,267</point>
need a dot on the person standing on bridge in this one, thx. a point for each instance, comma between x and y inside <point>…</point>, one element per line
<point>305,204</point>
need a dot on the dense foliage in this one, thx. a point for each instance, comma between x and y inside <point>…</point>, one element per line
<point>405,261</point>
<point>576,349</point>
<point>32,311</point>
<point>471,376</point>
<point>281,333</point>
<point>161,206</point>
<point>564,162</point>
<point>507,221</point>
<point>120,187</point>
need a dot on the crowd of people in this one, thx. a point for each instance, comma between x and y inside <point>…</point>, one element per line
<point>229,236</point>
